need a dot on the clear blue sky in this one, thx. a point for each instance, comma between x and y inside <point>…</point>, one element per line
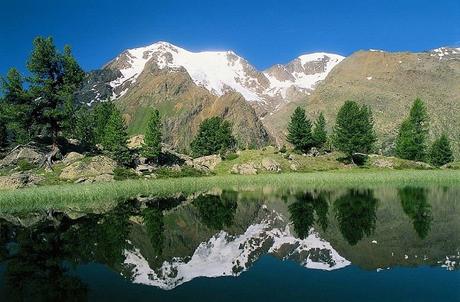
<point>265,32</point>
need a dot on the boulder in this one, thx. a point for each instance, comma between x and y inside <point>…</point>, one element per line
<point>313,152</point>
<point>207,162</point>
<point>72,157</point>
<point>271,165</point>
<point>19,180</point>
<point>31,155</point>
<point>144,168</point>
<point>136,142</point>
<point>87,168</point>
<point>244,169</point>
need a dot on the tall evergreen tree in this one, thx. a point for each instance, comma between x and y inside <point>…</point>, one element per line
<point>214,136</point>
<point>319,131</point>
<point>102,112</point>
<point>440,151</point>
<point>16,106</point>
<point>299,131</point>
<point>412,136</point>
<point>54,79</point>
<point>115,138</point>
<point>3,133</point>
<point>84,127</point>
<point>152,140</point>
<point>354,129</point>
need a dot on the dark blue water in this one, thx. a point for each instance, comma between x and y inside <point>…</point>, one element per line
<point>380,244</point>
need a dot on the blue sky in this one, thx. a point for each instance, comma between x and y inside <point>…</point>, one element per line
<point>264,32</point>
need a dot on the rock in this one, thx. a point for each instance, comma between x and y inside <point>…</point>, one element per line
<point>87,168</point>
<point>270,165</point>
<point>207,162</point>
<point>144,168</point>
<point>19,180</point>
<point>31,155</point>
<point>313,152</point>
<point>244,169</point>
<point>294,167</point>
<point>72,157</point>
<point>136,142</point>
<point>383,163</point>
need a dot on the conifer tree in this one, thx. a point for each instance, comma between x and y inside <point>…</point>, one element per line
<point>115,138</point>
<point>412,136</point>
<point>440,151</point>
<point>354,129</point>
<point>84,129</point>
<point>101,112</point>
<point>152,140</point>
<point>214,136</point>
<point>3,133</point>
<point>319,131</point>
<point>54,79</point>
<point>16,106</point>
<point>299,131</point>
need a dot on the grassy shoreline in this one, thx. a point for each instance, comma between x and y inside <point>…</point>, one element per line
<point>102,195</point>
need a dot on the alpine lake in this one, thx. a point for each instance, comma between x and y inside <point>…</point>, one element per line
<point>381,243</point>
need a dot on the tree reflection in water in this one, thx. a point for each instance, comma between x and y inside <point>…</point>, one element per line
<point>356,214</point>
<point>217,211</point>
<point>416,206</point>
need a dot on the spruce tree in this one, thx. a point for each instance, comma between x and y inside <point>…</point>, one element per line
<point>440,151</point>
<point>299,131</point>
<point>54,79</point>
<point>354,129</point>
<point>412,136</point>
<point>152,141</point>
<point>3,133</point>
<point>16,106</point>
<point>319,131</point>
<point>115,138</point>
<point>101,112</point>
<point>84,127</point>
<point>214,136</point>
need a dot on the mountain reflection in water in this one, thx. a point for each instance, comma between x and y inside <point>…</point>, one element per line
<point>169,241</point>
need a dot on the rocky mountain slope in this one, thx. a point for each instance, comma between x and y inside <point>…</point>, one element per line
<point>188,87</point>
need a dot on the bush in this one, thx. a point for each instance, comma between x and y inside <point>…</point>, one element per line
<point>24,165</point>
<point>231,156</point>
<point>185,171</point>
<point>123,173</point>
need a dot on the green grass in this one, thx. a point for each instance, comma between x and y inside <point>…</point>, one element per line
<point>82,197</point>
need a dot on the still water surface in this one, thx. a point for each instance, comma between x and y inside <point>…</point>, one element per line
<point>379,244</point>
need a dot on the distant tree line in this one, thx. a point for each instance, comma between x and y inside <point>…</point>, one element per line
<point>354,133</point>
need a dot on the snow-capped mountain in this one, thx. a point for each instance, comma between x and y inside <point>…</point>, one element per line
<point>222,71</point>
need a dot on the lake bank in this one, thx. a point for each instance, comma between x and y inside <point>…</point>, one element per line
<point>101,195</point>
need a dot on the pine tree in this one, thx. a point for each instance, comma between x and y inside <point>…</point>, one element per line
<point>299,131</point>
<point>319,131</point>
<point>101,112</point>
<point>152,140</point>
<point>55,77</point>
<point>3,133</point>
<point>214,136</point>
<point>84,127</point>
<point>412,136</point>
<point>115,138</point>
<point>16,106</point>
<point>440,151</point>
<point>354,129</point>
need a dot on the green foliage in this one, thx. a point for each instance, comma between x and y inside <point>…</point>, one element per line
<point>415,205</point>
<point>24,165</point>
<point>54,79</point>
<point>354,129</point>
<point>214,136</point>
<point>412,136</point>
<point>230,156</point>
<point>84,127</point>
<point>356,214</point>
<point>299,131</point>
<point>217,212</point>
<point>185,171</point>
<point>154,223</point>
<point>15,107</point>
<point>440,151</point>
<point>102,112</point>
<point>3,134</point>
<point>115,138</point>
<point>152,141</point>
<point>303,213</point>
<point>120,173</point>
<point>319,131</point>
<point>283,149</point>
